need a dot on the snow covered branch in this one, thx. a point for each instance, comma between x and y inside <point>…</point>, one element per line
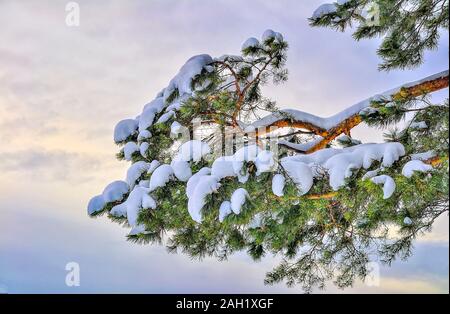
<point>343,122</point>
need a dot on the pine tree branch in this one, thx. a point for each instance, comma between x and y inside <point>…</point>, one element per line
<point>403,93</point>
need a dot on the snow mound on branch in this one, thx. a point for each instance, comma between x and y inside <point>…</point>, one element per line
<point>139,229</point>
<point>96,204</point>
<point>278,183</point>
<point>424,156</point>
<point>265,162</point>
<point>193,150</point>
<point>268,35</point>
<point>256,221</point>
<point>129,149</point>
<point>153,165</point>
<point>138,199</point>
<point>327,8</point>
<point>135,172</point>
<point>182,82</point>
<point>370,174</point>
<point>407,221</point>
<point>165,117</point>
<point>124,129</point>
<point>181,169</point>
<point>421,125</point>
<point>143,148</point>
<point>415,165</point>
<point>388,185</point>
<point>206,185</point>
<point>119,210</point>
<point>160,177</point>
<point>193,181</point>
<point>238,200</point>
<point>148,114</point>
<point>324,9</point>
<point>224,210</point>
<point>143,135</point>
<point>341,165</point>
<point>115,191</point>
<point>144,183</point>
<point>175,129</point>
<point>244,154</point>
<point>222,167</point>
<point>232,166</point>
<point>250,43</point>
<point>300,173</point>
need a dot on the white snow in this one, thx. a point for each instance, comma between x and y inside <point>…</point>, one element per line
<point>424,156</point>
<point>143,149</point>
<point>388,185</point>
<point>96,204</point>
<point>278,183</point>
<point>268,34</point>
<point>302,147</point>
<point>345,139</point>
<point>246,153</point>
<point>124,129</point>
<point>279,37</point>
<point>143,135</point>
<point>324,9</point>
<point>238,200</point>
<point>265,162</point>
<point>175,129</point>
<point>181,169</point>
<point>415,165</point>
<point>222,167</point>
<point>135,172</point>
<point>206,185</point>
<point>341,165</point>
<point>148,114</point>
<point>144,183</point>
<point>251,42</point>
<point>420,125</point>
<point>137,200</point>
<point>407,221</point>
<point>153,165</point>
<point>139,229</point>
<point>370,174</point>
<point>156,105</point>
<point>129,149</point>
<point>183,80</point>
<point>160,177</point>
<point>256,221</point>
<point>193,150</point>
<point>328,123</point>
<point>165,117</point>
<point>115,191</point>
<point>327,8</point>
<point>119,210</point>
<point>300,173</point>
<point>193,181</point>
<point>224,210</point>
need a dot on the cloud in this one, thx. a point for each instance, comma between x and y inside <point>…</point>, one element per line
<point>56,165</point>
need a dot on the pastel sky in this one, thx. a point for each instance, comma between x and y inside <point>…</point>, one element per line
<point>63,89</point>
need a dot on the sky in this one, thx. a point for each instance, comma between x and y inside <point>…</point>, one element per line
<point>63,89</point>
